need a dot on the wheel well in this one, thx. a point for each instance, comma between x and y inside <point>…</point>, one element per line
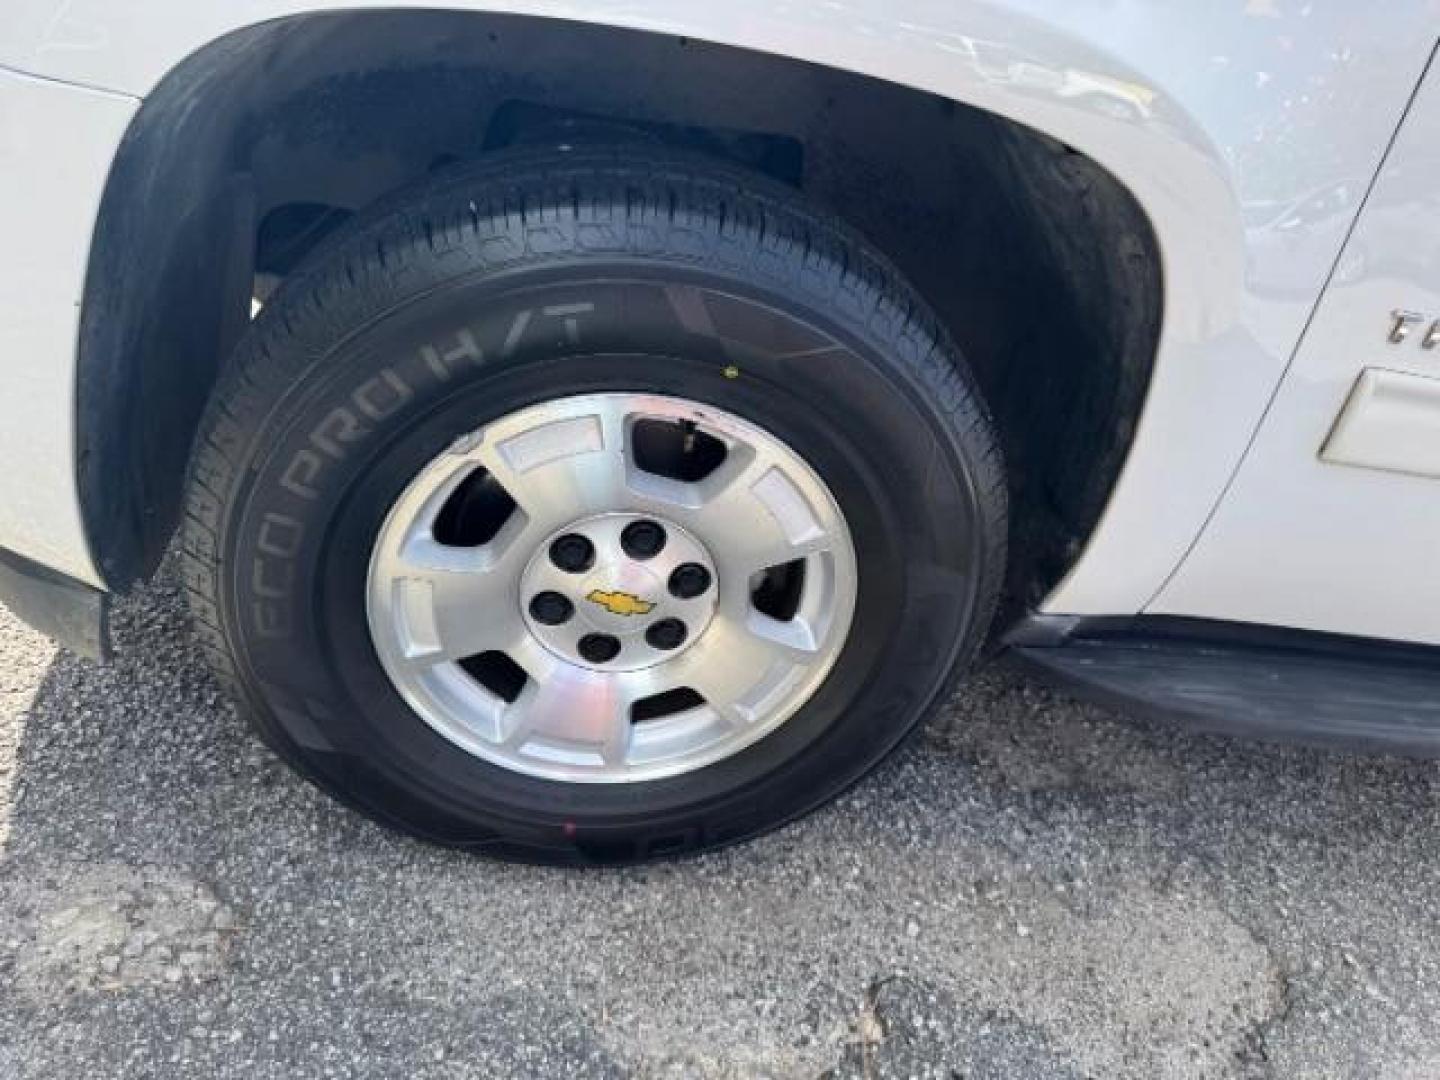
<point>1040,263</point>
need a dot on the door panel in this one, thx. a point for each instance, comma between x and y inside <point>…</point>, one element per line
<point>1332,522</point>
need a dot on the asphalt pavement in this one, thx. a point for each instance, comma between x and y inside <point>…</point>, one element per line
<point>1037,888</point>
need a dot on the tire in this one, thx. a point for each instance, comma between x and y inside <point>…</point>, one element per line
<point>528,282</point>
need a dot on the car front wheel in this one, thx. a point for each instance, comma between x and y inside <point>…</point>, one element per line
<point>593,506</point>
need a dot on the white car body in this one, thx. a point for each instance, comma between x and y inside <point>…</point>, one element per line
<point>1240,499</point>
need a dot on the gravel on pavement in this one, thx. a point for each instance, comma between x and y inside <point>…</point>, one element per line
<point>1035,888</point>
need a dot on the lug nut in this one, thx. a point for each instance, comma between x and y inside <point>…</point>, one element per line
<point>666,634</point>
<point>642,539</point>
<point>689,580</point>
<point>572,553</point>
<point>551,608</point>
<point>599,648</point>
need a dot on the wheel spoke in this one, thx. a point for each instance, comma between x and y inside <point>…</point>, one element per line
<point>575,709</point>
<point>560,469</point>
<point>794,639</point>
<point>455,602</point>
<point>738,658</point>
<point>756,515</point>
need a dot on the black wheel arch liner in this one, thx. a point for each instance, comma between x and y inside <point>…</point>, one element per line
<point>166,296</point>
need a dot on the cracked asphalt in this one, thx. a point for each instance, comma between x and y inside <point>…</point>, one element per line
<point>1038,888</point>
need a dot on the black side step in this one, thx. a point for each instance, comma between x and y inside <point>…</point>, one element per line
<point>1264,682</point>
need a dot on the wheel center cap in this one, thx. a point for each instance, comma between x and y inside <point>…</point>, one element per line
<point>637,590</point>
<point>617,598</point>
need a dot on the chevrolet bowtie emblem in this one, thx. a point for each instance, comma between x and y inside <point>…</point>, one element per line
<point>620,603</point>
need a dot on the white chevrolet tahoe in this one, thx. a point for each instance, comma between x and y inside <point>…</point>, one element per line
<point>590,430</point>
